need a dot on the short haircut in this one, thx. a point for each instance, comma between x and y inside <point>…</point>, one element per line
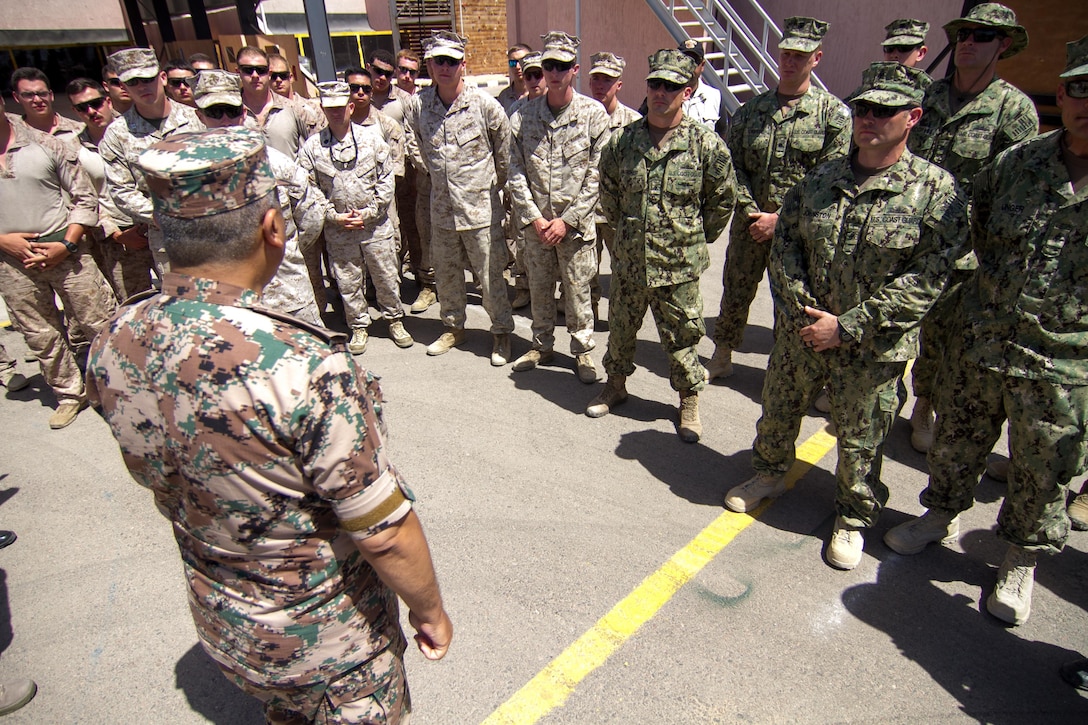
<point>28,73</point>
<point>519,46</point>
<point>407,54</point>
<point>202,58</point>
<point>79,85</point>
<point>383,55</point>
<point>227,237</point>
<point>277,56</point>
<point>178,64</point>
<point>357,72</point>
<point>251,50</point>
<point>106,73</point>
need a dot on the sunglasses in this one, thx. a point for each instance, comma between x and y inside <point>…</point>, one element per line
<point>281,75</point>
<point>861,109</point>
<point>552,66</point>
<point>981,35</point>
<point>177,82</point>
<point>248,70</point>
<point>446,60</point>
<point>94,103</point>
<point>115,82</point>
<point>901,48</point>
<point>656,84</point>
<point>356,87</point>
<point>512,63</point>
<point>410,71</point>
<point>133,82</point>
<point>219,110</point>
<point>1076,89</point>
<point>533,75</point>
<point>31,95</point>
<point>384,72</point>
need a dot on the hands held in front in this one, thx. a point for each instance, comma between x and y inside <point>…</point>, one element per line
<point>823,334</point>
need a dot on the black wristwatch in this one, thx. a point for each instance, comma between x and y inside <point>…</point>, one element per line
<point>70,246</point>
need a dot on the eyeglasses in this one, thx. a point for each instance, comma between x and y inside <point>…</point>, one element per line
<point>356,87</point>
<point>219,110</point>
<point>861,109</point>
<point>177,82</point>
<point>1076,89</point>
<point>115,82</point>
<point>981,35</point>
<point>133,82</point>
<point>533,75</point>
<point>94,103</point>
<point>281,75</point>
<point>410,71</point>
<point>248,70</point>
<point>31,95</point>
<point>656,84</point>
<point>552,66</point>
<point>901,48</point>
<point>446,60</point>
<point>384,72</point>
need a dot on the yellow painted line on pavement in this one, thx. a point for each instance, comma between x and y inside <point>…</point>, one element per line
<point>555,683</point>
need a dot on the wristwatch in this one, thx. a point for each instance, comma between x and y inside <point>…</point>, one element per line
<point>70,246</point>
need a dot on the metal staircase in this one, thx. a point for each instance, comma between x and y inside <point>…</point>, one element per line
<point>415,20</point>
<point>742,57</point>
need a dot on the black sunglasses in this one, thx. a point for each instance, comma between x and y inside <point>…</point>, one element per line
<point>557,65</point>
<point>656,84</point>
<point>94,103</point>
<point>384,72</point>
<point>981,35</point>
<point>133,82</point>
<point>115,82</point>
<point>176,82</point>
<point>533,75</point>
<point>281,75</point>
<point>356,87</point>
<point>247,70</point>
<point>219,110</point>
<point>901,48</point>
<point>446,60</point>
<point>1076,89</point>
<point>861,109</point>
<point>410,71</point>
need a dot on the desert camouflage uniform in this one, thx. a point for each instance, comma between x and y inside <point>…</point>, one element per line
<point>127,270</point>
<point>620,117</point>
<point>1019,347</point>
<point>286,124</point>
<point>356,172</point>
<point>877,257</point>
<point>303,206</point>
<point>962,143</point>
<point>466,149</point>
<point>43,190</point>
<point>262,443</point>
<point>392,134</point>
<point>554,174</point>
<point>393,105</point>
<point>772,150</point>
<point>67,129</point>
<point>419,245</point>
<point>665,205</point>
<point>125,139</point>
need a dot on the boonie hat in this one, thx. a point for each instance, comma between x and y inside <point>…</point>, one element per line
<point>1076,58</point>
<point>991,15</point>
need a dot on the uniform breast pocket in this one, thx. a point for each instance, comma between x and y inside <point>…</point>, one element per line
<point>682,186</point>
<point>973,142</point>
<point>893,235</point>
<point>366,168</point>
<point>471,144</point>
<point>806,143</point>
<point>576,153</point>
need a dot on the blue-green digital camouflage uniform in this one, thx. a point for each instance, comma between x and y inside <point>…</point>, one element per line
<point>772,150</point>
<point>262,443</point>
<point>665,205</point>
<point>876,257</point>
<point>962,142</point>
<point>1020,348</point>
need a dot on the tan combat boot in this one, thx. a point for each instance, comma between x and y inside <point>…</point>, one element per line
<point>1078,511</point>
<point>721,364</point>
<point>425,299</point>
<point>1011,599</point>
<point>400,336</point>
<point>748,495</point>
<point>613,394</point>
<point>691,428</point>
<point>448,340</point>
<point>847,543</point>
<point>500,349</point>
<point>587,371</point>
<point>912,536</point>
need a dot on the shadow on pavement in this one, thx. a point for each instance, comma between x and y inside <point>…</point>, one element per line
<point>210,693</point>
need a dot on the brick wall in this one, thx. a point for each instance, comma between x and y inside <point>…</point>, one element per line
<point>484,23</point>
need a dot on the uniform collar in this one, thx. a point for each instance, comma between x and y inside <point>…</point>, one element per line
<point>202,289</point>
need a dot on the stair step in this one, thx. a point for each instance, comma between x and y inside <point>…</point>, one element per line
<point>741,88</point>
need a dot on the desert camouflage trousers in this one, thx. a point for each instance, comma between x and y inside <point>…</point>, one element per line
<point>678,312</point>
<point>573,262</point>
<point>127,270</point>
<point>745,265</point>
<point>352,256</point>
<point>30,296</point>
<point>484,252</point>
<point>1047,428</point>
<point>865,398</point>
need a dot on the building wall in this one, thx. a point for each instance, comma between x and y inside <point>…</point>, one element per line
<point>483,22</point>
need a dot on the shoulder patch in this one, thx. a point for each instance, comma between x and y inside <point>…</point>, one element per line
<point>322,333</point>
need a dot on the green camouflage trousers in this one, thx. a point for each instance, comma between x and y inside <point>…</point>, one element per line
<point>1047,426</point>
<point>573,262</point>
<point>745,265</point>
<point>678,312</point>
<point>941,318</point>
<point>865,398</point>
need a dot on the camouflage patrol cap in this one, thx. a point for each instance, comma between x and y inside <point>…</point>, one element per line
<point>133,63</point>
<point>213,87</point>
<point>446,43</point>
<point>991,15</point>
<point>193,175</point>
<point>532,60</point>
<point>887,83</point>
<point>334,94</point>
<point>1076,58</point>
<point>671,65</point>
<point>802,34</point>
<point>692,49</point>
<point>905,31</point>
<point>560,46</point>
<point>607,64</point>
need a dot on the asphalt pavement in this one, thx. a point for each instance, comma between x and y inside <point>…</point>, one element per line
<point>541,522</point>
